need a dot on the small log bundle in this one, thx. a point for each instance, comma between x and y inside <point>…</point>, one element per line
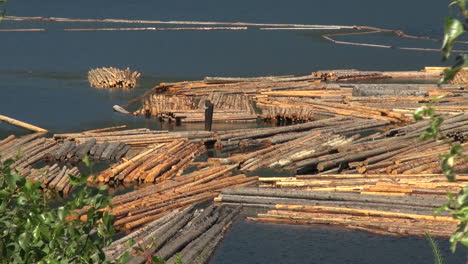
<point>322,107</point>
<point>140,137</point>
<point>379,184</point>
<point>139,207</point>
<point>349,75</point>
<point>381,214</point>
<point>188,235</point>
<point>26,150</point>
<point>154,163</point>
<point>73,152</point>
<point>112,78</point>
<point>54,177</point>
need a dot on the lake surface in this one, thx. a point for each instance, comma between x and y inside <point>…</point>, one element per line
<point>44,82</point>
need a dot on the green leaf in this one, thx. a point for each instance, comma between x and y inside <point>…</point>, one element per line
<point>437,98</point>
<point>453,29</point>
<point>86,161</point>
<point>456,150</point>
<point>23,241</point>
<point>419,113</point>
<point>11,180</point>
<point>460,63</point>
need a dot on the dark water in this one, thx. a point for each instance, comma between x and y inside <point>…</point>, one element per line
<point>259,243</point>
<point>43,74</point>
<point>43,81</point>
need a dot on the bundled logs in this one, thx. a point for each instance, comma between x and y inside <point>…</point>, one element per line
<point>54,177</point>
<point>29,150</point>
<point>227,107</point>
<point>73,152</point>
<point>286,115</point>
<point>349,75</point>
<point>147,204</point>
<point>289,99</point>
<point>140,137</point>
<point>322,107</point>
<point>381,214</point>
<point>264,137</point>
<point>154,163</point>
<point>380,184</point>
<point>112,78</point>
<point>26,150</point>
<point>190,235</point>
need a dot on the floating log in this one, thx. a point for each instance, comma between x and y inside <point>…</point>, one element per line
<point>22,124</point>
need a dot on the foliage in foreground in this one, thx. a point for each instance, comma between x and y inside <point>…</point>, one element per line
<point>33,231</point>
<point>457,205</point>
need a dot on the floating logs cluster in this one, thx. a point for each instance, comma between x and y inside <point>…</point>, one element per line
<point>286,115</point>
<point>54,177</point>
<point>155,163</point>
<point>26,150</point>
<point>227,107</point>
<point>147,204</point>
<point>324,108</point>
<point>188,235</point>
<point>378,213</point>
<point>265,137</point>
<point>429,185</point>
<point>29,150</point>
<point>349,75</point>
<point>290,99</point>
<point>139,137</point>
<point>73,152</point>
<point>112,78</point>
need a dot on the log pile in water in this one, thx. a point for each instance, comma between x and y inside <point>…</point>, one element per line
<point>265,137</point>
<point>349,75</point>
<point>147,204</point>
<point>113,78</point>
<point>381,214</point>
<point>54,177</point>
<point>73,152</point>
<point>187,235</point>
<point>227,107</point>
<point>322,107</point>
<point>430,185</point>
<point>140,137</point>
<point>26,150</point>
<point>154,163</point>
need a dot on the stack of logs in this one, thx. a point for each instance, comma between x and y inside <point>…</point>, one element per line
<point>281,97</point>
<point>54,178</point>
<point>227,107</point>
<point>73,152</point>
<point>112,78</point>
<point>324,108</point>
<point>147,204</point>
<point>381,213</point>
<point>265,137</point>
<point>27,151</point>
<point>188,236</point>
<point>140,137</point>
<point>155,163</point>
